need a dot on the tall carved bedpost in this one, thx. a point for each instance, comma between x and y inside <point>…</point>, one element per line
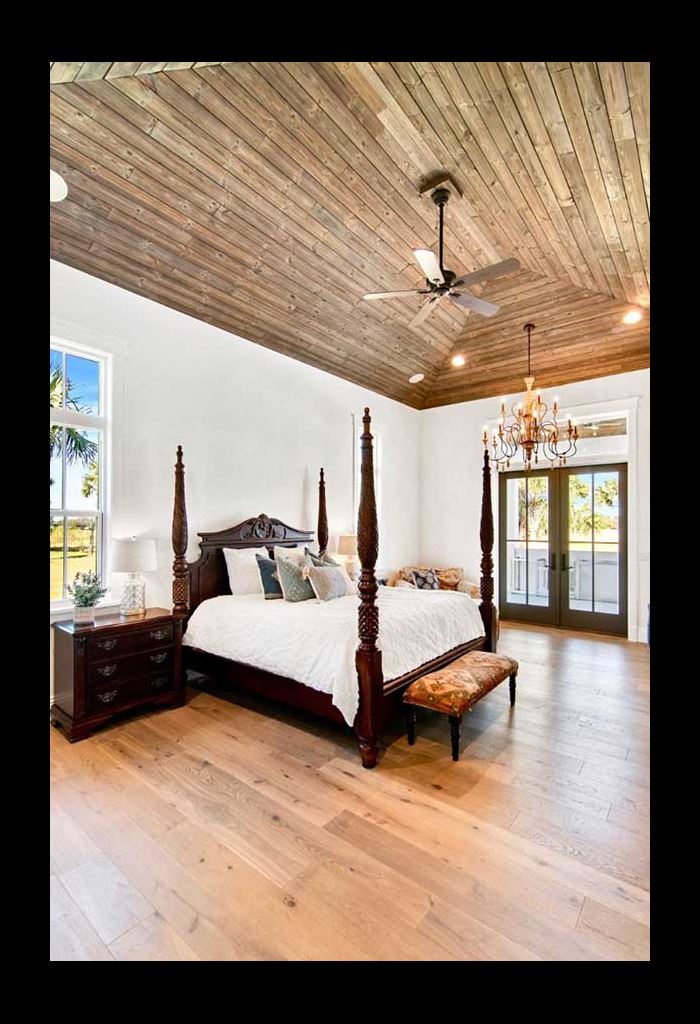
<point>180,574</point>
<point>179,535</point>
<point>489,612</point>
<point>322,528</point>
<point>368,659</point>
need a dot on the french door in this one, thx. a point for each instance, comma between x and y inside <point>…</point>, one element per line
<point>563,547</point>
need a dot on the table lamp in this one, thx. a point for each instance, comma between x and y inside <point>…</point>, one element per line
<point>347,545</point>
<point>134,556</point>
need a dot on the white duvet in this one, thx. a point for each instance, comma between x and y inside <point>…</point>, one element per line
<point>314,642</point>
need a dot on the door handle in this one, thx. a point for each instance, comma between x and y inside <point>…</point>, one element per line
<point>564,566</point>
<point>553,562</point>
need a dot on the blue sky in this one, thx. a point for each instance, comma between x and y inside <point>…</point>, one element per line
<point>84,375</point>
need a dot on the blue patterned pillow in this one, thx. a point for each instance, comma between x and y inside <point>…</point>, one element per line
<point>293,580</point>
<point>267,567</point>
<point>426,580</point>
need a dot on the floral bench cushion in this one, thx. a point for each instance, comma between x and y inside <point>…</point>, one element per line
<point>454,689</point>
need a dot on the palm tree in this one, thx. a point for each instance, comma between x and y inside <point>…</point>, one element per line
<point>79,447</point>
<point>91,482</point>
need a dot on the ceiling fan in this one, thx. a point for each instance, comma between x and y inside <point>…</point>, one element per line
<point>442,283</point>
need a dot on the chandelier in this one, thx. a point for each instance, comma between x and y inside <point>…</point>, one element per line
<point>530,429</point>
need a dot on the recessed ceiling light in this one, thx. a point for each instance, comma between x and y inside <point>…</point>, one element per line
<point>59,189</point>
<point>416,378</point>
<point>633,316</point>
<point>458,360</point>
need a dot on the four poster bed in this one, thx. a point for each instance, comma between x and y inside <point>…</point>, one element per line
<point>200,589</point>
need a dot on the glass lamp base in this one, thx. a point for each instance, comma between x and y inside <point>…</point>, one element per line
<point>133,600</point>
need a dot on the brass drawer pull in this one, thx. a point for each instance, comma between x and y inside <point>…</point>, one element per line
<point>158,634</point>
<point>107,645</point>
<point>107,698</point>
<point>159,682</point>
<point>106,670</point>
<point>158,659</point>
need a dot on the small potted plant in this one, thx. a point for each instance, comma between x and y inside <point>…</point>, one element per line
<point>86,591</point>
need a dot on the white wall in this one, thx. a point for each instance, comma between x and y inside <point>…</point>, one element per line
<point>255,427</point>
<point>451,456</point>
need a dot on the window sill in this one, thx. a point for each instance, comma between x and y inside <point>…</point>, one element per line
<point>64,609</point>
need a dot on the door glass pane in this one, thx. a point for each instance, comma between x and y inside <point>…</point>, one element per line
<point>82,546</point>
<point>580,577</point>
<point>83,384</point>
<point>82,468</point>
<point>516,566</point>
<point>516,517</point>
<point>56,466</point>
<point>538,581</point>
<point>606,540</point>
<point>56,557</point>
<point>581,508</point>
<point>607,579</point>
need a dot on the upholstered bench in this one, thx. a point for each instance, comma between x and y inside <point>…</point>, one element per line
<point>455,689</point>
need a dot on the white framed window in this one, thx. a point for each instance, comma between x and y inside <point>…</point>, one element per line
<point>79,462</point>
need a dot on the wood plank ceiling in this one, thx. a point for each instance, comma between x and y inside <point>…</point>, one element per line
<point>267,198</point>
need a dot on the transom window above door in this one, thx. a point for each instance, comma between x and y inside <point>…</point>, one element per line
<point>77,470</point>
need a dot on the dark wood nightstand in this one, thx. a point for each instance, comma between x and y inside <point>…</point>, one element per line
<point>117,664</point>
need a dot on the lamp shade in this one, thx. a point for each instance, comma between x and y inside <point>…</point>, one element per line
<point>134,555</point>
<point>347,544</point>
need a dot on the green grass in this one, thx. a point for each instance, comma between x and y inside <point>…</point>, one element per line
<point>77,562</point>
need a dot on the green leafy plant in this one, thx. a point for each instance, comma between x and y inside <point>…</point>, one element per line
<point>86,589</point>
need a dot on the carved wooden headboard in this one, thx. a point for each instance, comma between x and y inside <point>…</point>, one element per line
<point>208,576</point>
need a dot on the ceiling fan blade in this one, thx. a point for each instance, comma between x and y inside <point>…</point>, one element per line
<point>427,308</point>
<point>467,301</point>
<point>394,295</point>
<point>488,273</point>
<point>428,262</point>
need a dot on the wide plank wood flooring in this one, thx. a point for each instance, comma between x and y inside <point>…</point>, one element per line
<point>231,829</point>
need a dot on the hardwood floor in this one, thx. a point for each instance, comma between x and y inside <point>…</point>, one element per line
<point>219,831</point>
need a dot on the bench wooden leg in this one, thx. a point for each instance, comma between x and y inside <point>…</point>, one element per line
<point>411,724</point>
<point>455,728</point>
<point>512,689</point>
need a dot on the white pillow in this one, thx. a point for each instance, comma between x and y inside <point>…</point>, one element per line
<point>296,555</point>
<point>243,573</point>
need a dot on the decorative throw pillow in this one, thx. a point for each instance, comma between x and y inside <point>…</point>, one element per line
<point>243,575</point>
<point>292,578</point>
<point>267,567</point>
<point>426,580</point>
<point>328,582</point>
<point>405,583</point>
<point>323,559</point>
<point>295,555</point>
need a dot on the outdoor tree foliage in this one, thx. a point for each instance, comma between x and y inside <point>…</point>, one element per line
<point>581,523</point>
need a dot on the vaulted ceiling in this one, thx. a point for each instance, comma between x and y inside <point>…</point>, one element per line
<point>266,198</point>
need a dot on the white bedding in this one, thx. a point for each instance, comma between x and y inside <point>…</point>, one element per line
<point>314,642</point>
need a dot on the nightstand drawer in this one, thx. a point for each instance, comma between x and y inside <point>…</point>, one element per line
<point>117,670</point>
<point>130,643</point>
<point>111,697</point>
